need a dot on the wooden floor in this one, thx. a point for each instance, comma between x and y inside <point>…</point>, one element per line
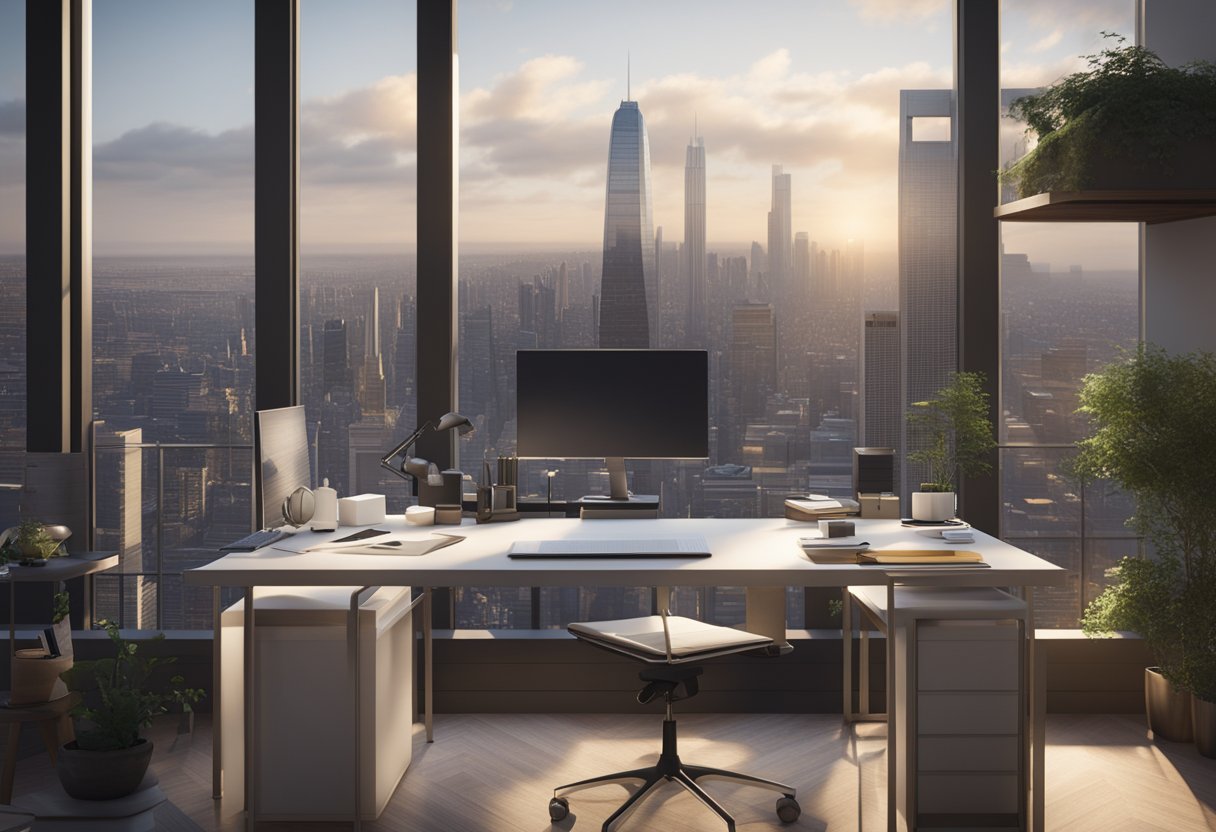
<point>495,773</point>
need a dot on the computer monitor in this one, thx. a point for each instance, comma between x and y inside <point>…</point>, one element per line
<point>613,404</point>
<point>280,439</point>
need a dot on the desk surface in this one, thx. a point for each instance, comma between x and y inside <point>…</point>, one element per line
<point>746,552</point>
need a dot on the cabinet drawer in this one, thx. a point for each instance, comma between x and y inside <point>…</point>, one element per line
<point>967,665</point>
<point>978,753</point>
<point>968,713</point>
<point>987,794</point>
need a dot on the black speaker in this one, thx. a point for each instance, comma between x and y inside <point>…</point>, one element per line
<point>873,470</point>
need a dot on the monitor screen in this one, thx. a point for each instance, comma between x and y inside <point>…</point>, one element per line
<point>281,438</point>
<point>642,404</point>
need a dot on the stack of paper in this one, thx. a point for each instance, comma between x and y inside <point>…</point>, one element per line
<point>814,507</point>
<point>833,550</point>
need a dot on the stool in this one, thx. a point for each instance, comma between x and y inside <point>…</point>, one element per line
<point>53,724</point>
<point>956,700</point>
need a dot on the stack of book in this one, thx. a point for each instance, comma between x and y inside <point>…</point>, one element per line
<point>815,507</point>
<point>845,550</point>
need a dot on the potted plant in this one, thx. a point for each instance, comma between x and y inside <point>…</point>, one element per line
<point>956,438</point>
<point>1127,122</point>
<point>1152,415</point>
<point>34,543</point>
<point>36,671</point>
<point>109,757</point>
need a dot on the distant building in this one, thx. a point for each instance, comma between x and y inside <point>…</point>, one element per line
<point>780,231</point>
<point>334,370</point>
<point>753,359</point>
<point>928,262</point>
<point>694,241</point>
<point>881,409</point>
<point>628,307</point>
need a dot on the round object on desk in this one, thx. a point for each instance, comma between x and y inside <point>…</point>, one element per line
<point>420,515</point>
<point>299,506</point>
<point>447,514</point>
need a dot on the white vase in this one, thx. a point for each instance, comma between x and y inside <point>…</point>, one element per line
<point>933,506</point>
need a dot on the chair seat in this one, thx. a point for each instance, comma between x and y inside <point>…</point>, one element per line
<point>643,638</point>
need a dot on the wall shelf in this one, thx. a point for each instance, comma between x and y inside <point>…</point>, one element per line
<point>1155,206</point>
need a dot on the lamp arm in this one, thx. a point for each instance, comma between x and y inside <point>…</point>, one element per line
<point>385,461</point>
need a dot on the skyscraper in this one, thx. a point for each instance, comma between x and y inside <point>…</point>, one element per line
<point>628,309</point>
<point>928,271</point>
<point>780,231</point>
<point>753,359</point>
<point>694,240</point>
<point>881,412</point>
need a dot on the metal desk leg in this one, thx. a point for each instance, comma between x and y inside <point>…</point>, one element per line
<point>428,663</point>
<point>846,638</point>
<point>1038,716</point>
<point>892,721</point>
<point>251,677</point>
<point>217,733</point>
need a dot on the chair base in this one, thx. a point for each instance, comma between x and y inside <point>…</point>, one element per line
<point>669,768</point>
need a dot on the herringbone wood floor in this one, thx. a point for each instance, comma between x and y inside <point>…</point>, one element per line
<point>495,773</point>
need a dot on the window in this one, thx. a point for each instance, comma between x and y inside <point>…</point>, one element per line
<point>12,251</point>
<point>173,313</point>
<point>771,184</point>
<point>1069,302</point>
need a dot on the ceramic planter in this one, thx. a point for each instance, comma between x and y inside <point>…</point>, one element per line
<point>1168,708</point>
<point>36,678</point>
<point>1203,722</point>
<point>103,775</point>
<point>933,506</point>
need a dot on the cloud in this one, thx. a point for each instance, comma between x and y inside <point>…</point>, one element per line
<point>175,156</point>
<point>1047,41</point>
<point>892,11</point>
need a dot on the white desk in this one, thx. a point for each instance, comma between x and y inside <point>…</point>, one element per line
<point>749,553</point>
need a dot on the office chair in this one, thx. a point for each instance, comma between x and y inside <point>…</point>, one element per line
<point>675,643</point>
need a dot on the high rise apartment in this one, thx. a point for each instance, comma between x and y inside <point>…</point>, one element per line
<point>881,410</point>
<point>628,313</point>
<point>928,269</point>
<point>694,240</point>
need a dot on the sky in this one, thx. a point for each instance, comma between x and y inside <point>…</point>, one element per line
<point>811,84</point>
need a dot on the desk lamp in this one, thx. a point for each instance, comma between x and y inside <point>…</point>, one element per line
<point>416,468</point>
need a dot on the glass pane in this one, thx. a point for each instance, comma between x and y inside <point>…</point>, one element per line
<point>1100,557</point>
<point>173,313</point>
<point>765,208</point>
<point>12,249</point>
<point>1038,499</point>
<point>1057,607</point>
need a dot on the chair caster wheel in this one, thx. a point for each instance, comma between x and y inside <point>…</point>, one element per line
<point>559,807</point>
<point>788,809</point>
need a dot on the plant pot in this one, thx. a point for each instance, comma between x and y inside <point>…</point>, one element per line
<point>35,678</point>
<point>1168,707</point>
<point>103,775</point>
<point>933,506</point>
<point>1203,722</point>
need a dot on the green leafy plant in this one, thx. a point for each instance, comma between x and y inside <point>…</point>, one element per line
<point>1152,415</point>
<point>33,541</point>
<point>60,607</point>
<point>121,699</point>
<point>1128,106</point>
<point>955,432</point>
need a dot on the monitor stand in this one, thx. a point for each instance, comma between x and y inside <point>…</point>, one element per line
<point>619,496</point>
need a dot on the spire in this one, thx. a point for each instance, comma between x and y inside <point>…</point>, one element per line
<point>628,79</point>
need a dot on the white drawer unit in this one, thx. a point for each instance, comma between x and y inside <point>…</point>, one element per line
<point>305,707</point>
<point>959,723</point>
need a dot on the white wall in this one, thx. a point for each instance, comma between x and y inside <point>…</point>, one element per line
<point>1178,260</point>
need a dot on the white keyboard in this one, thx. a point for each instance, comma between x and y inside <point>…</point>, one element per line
<point>664,547</point>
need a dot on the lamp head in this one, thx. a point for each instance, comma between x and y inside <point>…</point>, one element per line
<point>417,467</point>
<point>454,420</point>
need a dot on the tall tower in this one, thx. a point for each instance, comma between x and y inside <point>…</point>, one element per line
<point>694,240</point>
<point>881,412</point>
<point>780,231</point>
<point>371,387</point>
<point>628,310</point>
<point>928,263</point>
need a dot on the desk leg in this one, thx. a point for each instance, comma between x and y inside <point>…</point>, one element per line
<point>355,668</point>
<point>1038,717</point>
<point>892,720</point>
<point>217,733</point>
<point>251,676</point>
<point>10,762</point>
<point>846,638</point>
<point>428,690</point>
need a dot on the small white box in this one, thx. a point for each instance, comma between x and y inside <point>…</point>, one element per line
<point>361,510</point>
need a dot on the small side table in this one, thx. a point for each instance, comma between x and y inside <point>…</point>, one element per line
<point>56,570</point>
<point>53,723</point>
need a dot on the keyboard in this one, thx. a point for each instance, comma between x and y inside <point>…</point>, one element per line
<point>255,541</point>
<point>666,547</point>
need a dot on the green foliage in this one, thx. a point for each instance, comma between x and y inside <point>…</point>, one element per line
<point>60,607</point>
<point>33,540</point>
<point>1128,106</point>
<point>955,432</point>
<point>1153,416</point>
<point>121,701</point>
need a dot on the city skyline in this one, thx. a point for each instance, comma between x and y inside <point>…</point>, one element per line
<point>533,119</point>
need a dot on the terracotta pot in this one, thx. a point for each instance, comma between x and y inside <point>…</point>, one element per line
<point>1168,707</point>
<point>933,506</point>
<point>1203,722</point>
<point>103,775</point>
<point>35,678</point>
